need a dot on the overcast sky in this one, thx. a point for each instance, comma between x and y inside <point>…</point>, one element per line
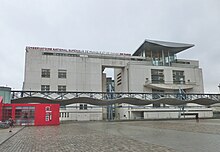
<point>108,25</point>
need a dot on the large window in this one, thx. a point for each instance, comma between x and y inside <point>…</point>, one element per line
<point>45,88</point>
<point>45,73</point>
<point>157,76</point>
<point>178,77</point>
<point>61,88</point>
<point>62,74</point>
<point>24,115</point>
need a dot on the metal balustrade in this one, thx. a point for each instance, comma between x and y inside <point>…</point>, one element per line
<point>55,95</point>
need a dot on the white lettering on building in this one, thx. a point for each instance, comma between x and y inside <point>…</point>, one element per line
<point>77,51</point>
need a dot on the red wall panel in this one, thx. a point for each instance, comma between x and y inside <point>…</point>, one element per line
<point>45,114</point>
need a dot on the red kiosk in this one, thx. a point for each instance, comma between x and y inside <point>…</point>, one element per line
<point>30,113</point>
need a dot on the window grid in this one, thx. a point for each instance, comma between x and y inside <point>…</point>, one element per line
<point>45,88</point>
<point>157,76</point>
<point>83,107</point>
<point>61,88</point>
<point>45,73</point>
<point>62,74</point>
<point>178,77</point>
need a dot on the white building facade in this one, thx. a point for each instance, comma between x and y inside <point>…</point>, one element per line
<point>153,68</point>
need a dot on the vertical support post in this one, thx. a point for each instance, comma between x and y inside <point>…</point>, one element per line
<point>169,58</point>
<point>163,58</point>
<point>152,60</point>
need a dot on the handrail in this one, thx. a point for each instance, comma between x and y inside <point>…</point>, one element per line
<point>15,94</point>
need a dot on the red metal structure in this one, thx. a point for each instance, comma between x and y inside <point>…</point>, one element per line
<point>30,113</point>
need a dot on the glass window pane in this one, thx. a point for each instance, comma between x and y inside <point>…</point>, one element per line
<point>45,73</point>
<point>62,73</point>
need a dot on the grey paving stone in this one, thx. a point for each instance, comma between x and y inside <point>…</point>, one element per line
<point>105,136</point>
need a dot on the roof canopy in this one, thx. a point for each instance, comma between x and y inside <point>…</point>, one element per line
<point>155,46</point>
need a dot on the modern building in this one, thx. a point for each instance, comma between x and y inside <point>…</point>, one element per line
<point>160,70</point>
<point>152,68</point>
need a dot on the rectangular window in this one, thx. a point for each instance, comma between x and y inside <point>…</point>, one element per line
<point>157,76</point>
<point>45,88</point>
<point>62,74</point>
<point>178,77</point>
<point>25,115</point>
<point>61,88</point>
<point>83,107</point>
<point>45,73</point>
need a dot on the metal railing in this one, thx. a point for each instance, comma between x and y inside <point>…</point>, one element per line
<point>55,95</point>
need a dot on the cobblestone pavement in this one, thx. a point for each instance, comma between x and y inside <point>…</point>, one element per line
<point>210,126</point>
<point>139,136</point>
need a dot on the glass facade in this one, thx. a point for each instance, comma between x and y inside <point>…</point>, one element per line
<point>24,115</point>
<point>161,58</point>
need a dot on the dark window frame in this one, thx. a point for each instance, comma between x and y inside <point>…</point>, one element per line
<point>45,87</point>
<point>157,76</point>
<point>62,74</point>
<point>61,88</point>
<point>45,73</point>
<point>178,77</point>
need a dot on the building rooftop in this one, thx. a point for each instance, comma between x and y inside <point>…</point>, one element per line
<point>155,46</point>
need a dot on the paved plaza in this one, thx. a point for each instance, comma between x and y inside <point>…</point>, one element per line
<point>129,136</point>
